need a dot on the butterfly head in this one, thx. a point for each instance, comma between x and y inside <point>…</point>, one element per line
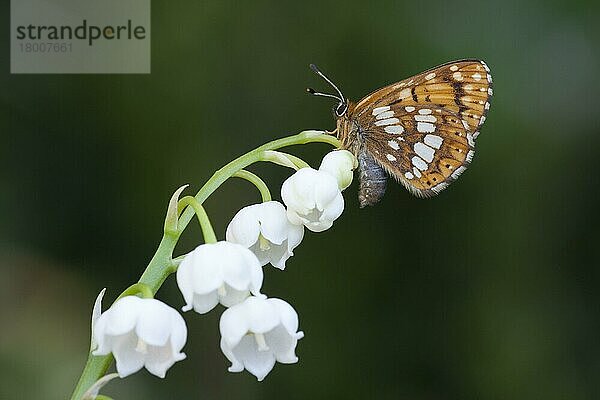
<point>341,108</point>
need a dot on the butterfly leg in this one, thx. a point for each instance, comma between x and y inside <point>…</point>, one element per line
<point>373,180</point>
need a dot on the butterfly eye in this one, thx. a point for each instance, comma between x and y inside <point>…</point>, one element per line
<point>341,109</point>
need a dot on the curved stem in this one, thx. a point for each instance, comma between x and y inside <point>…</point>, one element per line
<point>298,162</point>
<point>207,229</point>
<point>251,157</point>
<point>284,159</point>
<point>161,264</point>
<point>277,157</point>
<point>256,181</point>
<point>136,288</point>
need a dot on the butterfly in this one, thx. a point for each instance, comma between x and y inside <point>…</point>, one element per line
<point>421,130</point>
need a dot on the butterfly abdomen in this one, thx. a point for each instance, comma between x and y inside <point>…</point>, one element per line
<point>373,180</point>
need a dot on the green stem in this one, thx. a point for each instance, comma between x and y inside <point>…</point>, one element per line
<point>256,181</point>
<point>250,158</point>
<point>207,229</point>
<point>176,261</point>
<point>283,159</point>
<point>298,162</point>
<point>161,264</point>
<point>95,368</point>
<point>136,288</point>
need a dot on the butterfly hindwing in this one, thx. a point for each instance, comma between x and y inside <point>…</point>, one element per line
<point>423,147</point>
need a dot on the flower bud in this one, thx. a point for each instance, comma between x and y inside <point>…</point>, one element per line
<point>340,164</point>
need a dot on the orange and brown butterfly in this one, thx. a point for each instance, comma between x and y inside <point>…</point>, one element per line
<point>421,130</point>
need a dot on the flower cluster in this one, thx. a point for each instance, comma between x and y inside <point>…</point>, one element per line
<point>256,331</point>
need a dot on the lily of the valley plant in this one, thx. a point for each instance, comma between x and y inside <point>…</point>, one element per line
<point>139,331</point>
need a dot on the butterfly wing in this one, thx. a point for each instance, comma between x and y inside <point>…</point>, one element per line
<point>426,149</point>
<point>422,130</point>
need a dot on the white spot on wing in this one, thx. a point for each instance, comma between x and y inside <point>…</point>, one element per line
<point>425,127</point>
<point>379,110</point>
<point>419,163</point>
<point>389,121</point>
<point>409,175</point>
<point>393,144</point>
<point>454,68</point>
<point>424,111</point>
<point>457,76</point>
<point>409,108</point>
<point>424,151</point>
<point>384,115</point>
<point>476,76</point>
<point>416,172</point>
<point>390,157</point>
<point>404,93</point>
<point>434,141</point>
<point>430,76</point>
<point>394,129</point>
<point>425,118</point>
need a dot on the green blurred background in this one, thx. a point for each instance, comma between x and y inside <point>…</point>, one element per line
<point>488,291</point>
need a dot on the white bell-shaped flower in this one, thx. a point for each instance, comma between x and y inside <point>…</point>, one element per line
<point>313,199</point>
<point>265,230</point>
<point>258,332</point>
<point>219,272</point>
<point>340,164</point>
<point>141,333</point>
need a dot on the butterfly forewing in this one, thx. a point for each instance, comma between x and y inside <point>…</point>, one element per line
<point>422,130</point>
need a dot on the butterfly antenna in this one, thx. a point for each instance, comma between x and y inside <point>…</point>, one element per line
<point>315,93</point>
<point>317,71</point>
